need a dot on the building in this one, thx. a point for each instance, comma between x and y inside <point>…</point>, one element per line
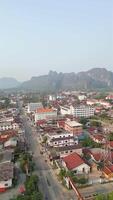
<point>4,126</point>
<point>45,114</point>
<point>65,110</point>
<point>82,97</point>
<point>108,172</point>
<point>52,97</point>
<point>32,107</point>
<point>11,143</point>
<point>61,139</point>
<point>109,97</point>
<point>6,176</point>
<point>73,127</point>
<point>98,138</point>
<point>75,163</point>
<point>78,111</point>
<point>83,111</point>
<point>62,151</point>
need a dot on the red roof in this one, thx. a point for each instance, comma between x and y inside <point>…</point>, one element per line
<point>6,135</point>
<point>44,110</point>
<point>61,123</point>
<point>111,144</point>
<point>108,169</point>
<point>73,160</point>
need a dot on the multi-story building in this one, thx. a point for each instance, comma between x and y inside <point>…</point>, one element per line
<point>78,111</point>
<point>73,127</point>
<point>32,107</point>
<point>8,126</point>
<point>45,114</point>
<point>61,139</point>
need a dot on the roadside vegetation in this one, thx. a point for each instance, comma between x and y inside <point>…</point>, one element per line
<point>105,197</point>
<point>79,180</point>
<point>32,191</point>
<point>88,142</point>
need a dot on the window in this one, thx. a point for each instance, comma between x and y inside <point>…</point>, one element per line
<point>66,151</point>
<point>6,184</point>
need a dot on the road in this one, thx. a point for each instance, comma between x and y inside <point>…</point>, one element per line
<point>48,183</point>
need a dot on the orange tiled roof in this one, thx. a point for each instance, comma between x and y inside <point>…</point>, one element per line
<point>73,160</point>
<point>108,170</point>
<point>44,110</point>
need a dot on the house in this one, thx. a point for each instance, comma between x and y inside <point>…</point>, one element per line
<point>109,97</point>
<point>73,127</point>
<point>45,114</point>
<point>61,124</point>
<point>82,97</point>
<point>6,156</point>
<point>66,150</point>
<point>11,143</point>
<point>8,126</point>
<point>6,176</point>
<point>111,145</point>
<point>98,138</point>
<point>75,163</point>
<point>108,172</point>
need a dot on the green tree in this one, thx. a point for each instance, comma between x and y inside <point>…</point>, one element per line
<point>31,184</point>
<point>101,197</point>
<point>36,196</point>
<point>62,174</point>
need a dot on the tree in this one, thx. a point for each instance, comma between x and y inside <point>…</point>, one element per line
<point>36,196</point>
<point>100,197</point>
<point>31,184</point>
<point>83,120</point>
<point>95,123</point>
<point>45,139</point>
<point>88,142</point>
<point>62,173</point>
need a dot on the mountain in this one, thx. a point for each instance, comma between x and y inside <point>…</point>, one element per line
<point>7,83</point>
<point>96,78</point>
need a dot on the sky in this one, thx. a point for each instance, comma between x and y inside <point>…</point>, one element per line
<point>63,35</point>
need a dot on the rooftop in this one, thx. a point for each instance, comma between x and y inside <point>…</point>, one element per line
<point>73,160</point>
<point>44,110</point>
<point>73,123</point>
<point>6,171</point>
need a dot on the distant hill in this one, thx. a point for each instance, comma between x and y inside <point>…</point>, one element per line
<point>7,83</point>
<point>96,78</point>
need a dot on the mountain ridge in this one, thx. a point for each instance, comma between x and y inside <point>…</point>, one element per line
<point>8,82</point>
<point>96,78</point>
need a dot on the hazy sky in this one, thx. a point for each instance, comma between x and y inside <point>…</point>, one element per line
<point>63,35</point>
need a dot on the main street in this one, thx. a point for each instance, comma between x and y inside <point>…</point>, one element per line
<point>49,185</point>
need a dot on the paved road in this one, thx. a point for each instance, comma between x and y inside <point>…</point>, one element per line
<point>49,185</point>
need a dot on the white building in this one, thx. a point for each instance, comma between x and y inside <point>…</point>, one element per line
<point>8,126</point>
<point>61,139</point>
<point>75,163</point>
<point>78,111</point>
<point>82,97</point>
<point>65,110</point>
<point>45,114</point>
<point>52,98</point>
<point>32,107</point>
<point>12,142</point>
